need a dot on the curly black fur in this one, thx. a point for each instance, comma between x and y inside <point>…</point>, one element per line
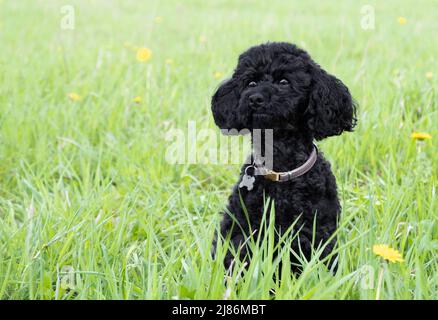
<point>308,104</point>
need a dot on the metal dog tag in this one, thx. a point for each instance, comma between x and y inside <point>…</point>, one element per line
<point>247,180</point>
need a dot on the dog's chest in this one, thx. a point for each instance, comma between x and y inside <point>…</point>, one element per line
<point>288,198</point>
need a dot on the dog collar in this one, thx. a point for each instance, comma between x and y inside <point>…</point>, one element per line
<point>288,175</point>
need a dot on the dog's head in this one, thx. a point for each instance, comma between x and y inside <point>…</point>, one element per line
<point>278,86</point>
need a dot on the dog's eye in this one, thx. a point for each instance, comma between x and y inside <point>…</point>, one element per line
<point>284,82</point>
<point>252,84</point>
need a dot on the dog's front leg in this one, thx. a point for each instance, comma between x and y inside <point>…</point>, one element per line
<point>237,246</point>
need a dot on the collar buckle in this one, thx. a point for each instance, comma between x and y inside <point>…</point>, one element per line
<point>273,176</point>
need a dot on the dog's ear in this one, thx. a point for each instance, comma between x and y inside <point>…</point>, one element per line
<point>224,105</point>
<point>331,109</point>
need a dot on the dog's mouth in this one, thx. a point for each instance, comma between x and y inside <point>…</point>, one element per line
<point>260,115</point>
<point>268,121</point>
<point>262,120</point>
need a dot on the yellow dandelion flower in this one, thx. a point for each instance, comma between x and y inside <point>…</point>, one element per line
<point>387,253</point>
<point>169,61</point>
<point>421,136</point>
<point>73,96</point>
<point>137,99</point>
<point>202,39</point>
<point>429,75</point>
<point>144,54</point>
<point>218,75</point>
<point>402,20</point>
<point>158,20</point>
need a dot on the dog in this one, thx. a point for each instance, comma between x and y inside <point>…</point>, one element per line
<point>278,86</point>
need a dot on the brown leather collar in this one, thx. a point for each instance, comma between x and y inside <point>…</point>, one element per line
<point>288,175</point>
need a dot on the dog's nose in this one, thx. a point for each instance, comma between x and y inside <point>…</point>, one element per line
<point>256,100</point>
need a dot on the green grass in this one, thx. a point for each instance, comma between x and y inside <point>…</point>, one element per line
<point>90,209</point>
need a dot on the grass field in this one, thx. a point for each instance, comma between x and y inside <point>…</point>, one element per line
<point>90,209</point>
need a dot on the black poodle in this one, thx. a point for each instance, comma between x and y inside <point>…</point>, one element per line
<point>278,86</point>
